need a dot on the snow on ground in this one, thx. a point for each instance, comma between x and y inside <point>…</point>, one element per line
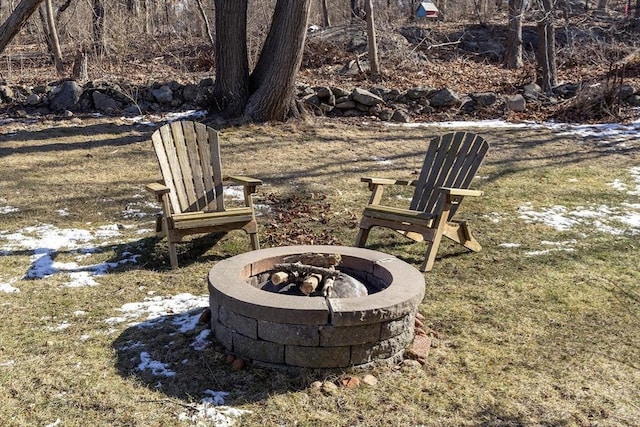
<point>212,410</point>
<point>156,308</point>
<point>184,311</point>
<point>610,132</point>
<point>45,242</point>
<point>608,219</point>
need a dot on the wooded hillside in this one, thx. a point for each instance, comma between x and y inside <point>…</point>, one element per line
<point>138,43</point>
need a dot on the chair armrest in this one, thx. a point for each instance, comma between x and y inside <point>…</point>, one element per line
<point>376,186</point>
<point>461,192</point>
<point>157,188</point>
<point>385,181</point>
<point>249,186</point>
<point>244,180</point>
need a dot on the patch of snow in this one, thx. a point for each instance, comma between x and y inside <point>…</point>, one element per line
<point>153,120</point>
<point>562,218</point>
<point>8,209</point>
<point>510,245</point>
<point>538,253</point>
<point>156,367</point>
<point>8,288</point>
<point>46,240</point>
<point>157,307</point>
<point>381,160</point>
<point>618,185</point>
<point>55,423</point>
<point>201,342</point>
<point>212,413</point>
<point>61,327</point>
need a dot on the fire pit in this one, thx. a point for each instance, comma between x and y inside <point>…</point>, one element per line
<point>281,330</point>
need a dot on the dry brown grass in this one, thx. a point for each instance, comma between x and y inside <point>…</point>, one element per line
<point>551,339</point>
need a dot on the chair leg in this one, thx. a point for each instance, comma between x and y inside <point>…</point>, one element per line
<point>160,226</point>
<point>429,257</point>
<point>255,242</point>
<point>434,242</point>
<point>173,254</point>
<point>361,238</point>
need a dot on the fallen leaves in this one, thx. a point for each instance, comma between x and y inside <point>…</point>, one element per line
<point>299,219</point>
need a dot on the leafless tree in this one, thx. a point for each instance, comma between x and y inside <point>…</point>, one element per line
<point>372,43</point>
<point>546,54</point>
<point>16,21</point>
<point>513,55</point>
<point>268,92</point>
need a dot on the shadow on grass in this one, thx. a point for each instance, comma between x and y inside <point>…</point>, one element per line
<point>413,253</point>
<point>75,137</point>
<point>177,355</point>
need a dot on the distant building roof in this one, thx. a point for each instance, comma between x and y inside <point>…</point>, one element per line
<point>427,9</point>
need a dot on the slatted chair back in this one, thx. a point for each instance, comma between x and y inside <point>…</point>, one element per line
<point>452,160</point>
<point>189,156</point>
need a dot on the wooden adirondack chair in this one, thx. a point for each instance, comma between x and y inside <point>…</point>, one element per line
<point>191,191</point>
<point>449,166</point>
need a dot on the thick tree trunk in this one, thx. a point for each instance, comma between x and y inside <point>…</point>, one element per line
<point>273,79</point>
<point>372,42</point>
<point>16,20</point>
<point>231,89</point>
<point>546,54</point>
<point>513,55</point>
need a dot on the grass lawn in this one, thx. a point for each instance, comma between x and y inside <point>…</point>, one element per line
<point>542,327</point>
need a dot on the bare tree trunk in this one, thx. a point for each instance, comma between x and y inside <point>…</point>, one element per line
<point>513,55</point>
<point>62,8</point>
<point>273,79</point>
<point>547,48</point>
<point>326,21</point>
<point>98,26</point>
<point>42,13</point>
<point>147,17</point>
<point>207,27</point>
<point>636,13</point>
<point>16,21</point>
<point>372,44</point>
<point>443,7</point>
<point>55,41</point>
<point>356,11</point>
<point>602,5</point>
<point>231,89</point>
<point>133,7</point>
<point>80,71</point>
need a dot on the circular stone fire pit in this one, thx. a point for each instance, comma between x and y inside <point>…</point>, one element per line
<point>315,332</point>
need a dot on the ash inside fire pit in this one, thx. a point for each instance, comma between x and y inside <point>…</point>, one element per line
<point>280,329</point>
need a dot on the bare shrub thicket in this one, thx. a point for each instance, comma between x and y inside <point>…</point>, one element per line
<point>138,30</point>
<point>146,40</point>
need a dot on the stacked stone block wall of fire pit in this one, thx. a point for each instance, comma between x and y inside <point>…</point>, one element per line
<point>315,332</point>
